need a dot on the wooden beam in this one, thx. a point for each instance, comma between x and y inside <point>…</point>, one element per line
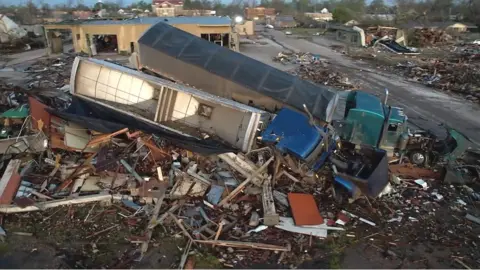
<point>270,216</point>
<point>238,244</point>
<point>237,190</point>
<point>153,220</point>
<point>50,204</point>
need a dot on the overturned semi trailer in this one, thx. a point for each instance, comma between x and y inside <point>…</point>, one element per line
<point>114,94</point>
<point>183,57</point>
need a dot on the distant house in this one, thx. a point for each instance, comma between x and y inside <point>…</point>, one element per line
<point>259,13</point>
<point>448,26</point>
<point>167,8</point>
<point>351,23</point>
<point>286,21</point>
<point>320,16</point>
<point>383,17</point>
<point>82,14</point>
<point>353,36</point>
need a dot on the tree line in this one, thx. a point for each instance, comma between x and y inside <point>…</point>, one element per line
<point>343,10</point>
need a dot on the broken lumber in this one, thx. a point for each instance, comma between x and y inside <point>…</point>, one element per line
<point>238,244</point>
<point>105,138</point>
<point>132,171</point>
<point>186,252</point>
<point>270,216</point>
<point>50,204</point>
<point>164,216</point>
<point>179,224</point>
<point>102,231</point>
<point>10,181</point>
<point>153,220</point>
<point>242,167</point>
<point>246,182</point>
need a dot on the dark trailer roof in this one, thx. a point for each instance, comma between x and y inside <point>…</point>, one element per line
<point>186,58</point>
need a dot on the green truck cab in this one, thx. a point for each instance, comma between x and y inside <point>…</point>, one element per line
<point>369,121</point>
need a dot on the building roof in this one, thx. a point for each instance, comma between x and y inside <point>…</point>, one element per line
<point>173,2</point>
<point>203,20</point>
<point>446,24</point>
<point>287,18</point>
<point>341,27</point>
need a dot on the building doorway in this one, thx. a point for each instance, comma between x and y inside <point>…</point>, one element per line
<point>106,43</point>
<point>219,39</point>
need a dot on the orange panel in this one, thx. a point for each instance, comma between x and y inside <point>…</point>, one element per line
<point>304,209</point>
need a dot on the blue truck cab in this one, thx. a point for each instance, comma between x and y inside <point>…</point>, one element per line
<point>292,133</point>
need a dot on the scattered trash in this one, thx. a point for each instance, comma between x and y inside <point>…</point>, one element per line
<point>462,202</point>
<point>422,183</point>
<point>258,229</point>
<point>438,197</point>
<point>473,218</point>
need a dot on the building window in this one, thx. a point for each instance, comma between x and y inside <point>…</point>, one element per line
<point>354,39</point>
<point>78,36</point>
<point>205,110</point>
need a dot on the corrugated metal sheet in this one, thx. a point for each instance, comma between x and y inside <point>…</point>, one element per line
<point>241,75</point>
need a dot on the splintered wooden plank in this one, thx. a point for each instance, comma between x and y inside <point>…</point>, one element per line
<point>238,244</point>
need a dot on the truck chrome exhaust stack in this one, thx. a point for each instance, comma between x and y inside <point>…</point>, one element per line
<point>386,97</point>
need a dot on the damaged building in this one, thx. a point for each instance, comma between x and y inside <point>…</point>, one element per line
<point>121,36</point>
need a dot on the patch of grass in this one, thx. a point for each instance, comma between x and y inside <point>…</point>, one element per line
<point>3,248</point>
<point>334,250</point>
<point>207,261</point>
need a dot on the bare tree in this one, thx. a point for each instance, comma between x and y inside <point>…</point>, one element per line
<point>69,3</point>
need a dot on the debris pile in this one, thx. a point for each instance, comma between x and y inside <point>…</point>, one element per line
<point>134,189</point>
<point>321,74</point>
<point>287,58</point>
<point>430,37</point>
<point>51,72</point>
<point>462,77</point>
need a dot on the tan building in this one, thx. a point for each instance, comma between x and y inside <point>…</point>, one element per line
<point>452,27</point>
<point>259,13</point>
<point>317,16</point>
<point>121,36</point>
<point>247,28</point>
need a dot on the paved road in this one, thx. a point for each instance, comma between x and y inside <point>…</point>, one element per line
<point>425,107</point>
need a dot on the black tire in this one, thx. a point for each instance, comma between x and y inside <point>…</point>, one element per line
<point>417,157</point>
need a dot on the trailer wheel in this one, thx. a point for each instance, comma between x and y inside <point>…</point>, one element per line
<point>417,157</point>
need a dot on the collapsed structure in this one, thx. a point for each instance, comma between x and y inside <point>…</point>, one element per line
<point>149,142</point>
